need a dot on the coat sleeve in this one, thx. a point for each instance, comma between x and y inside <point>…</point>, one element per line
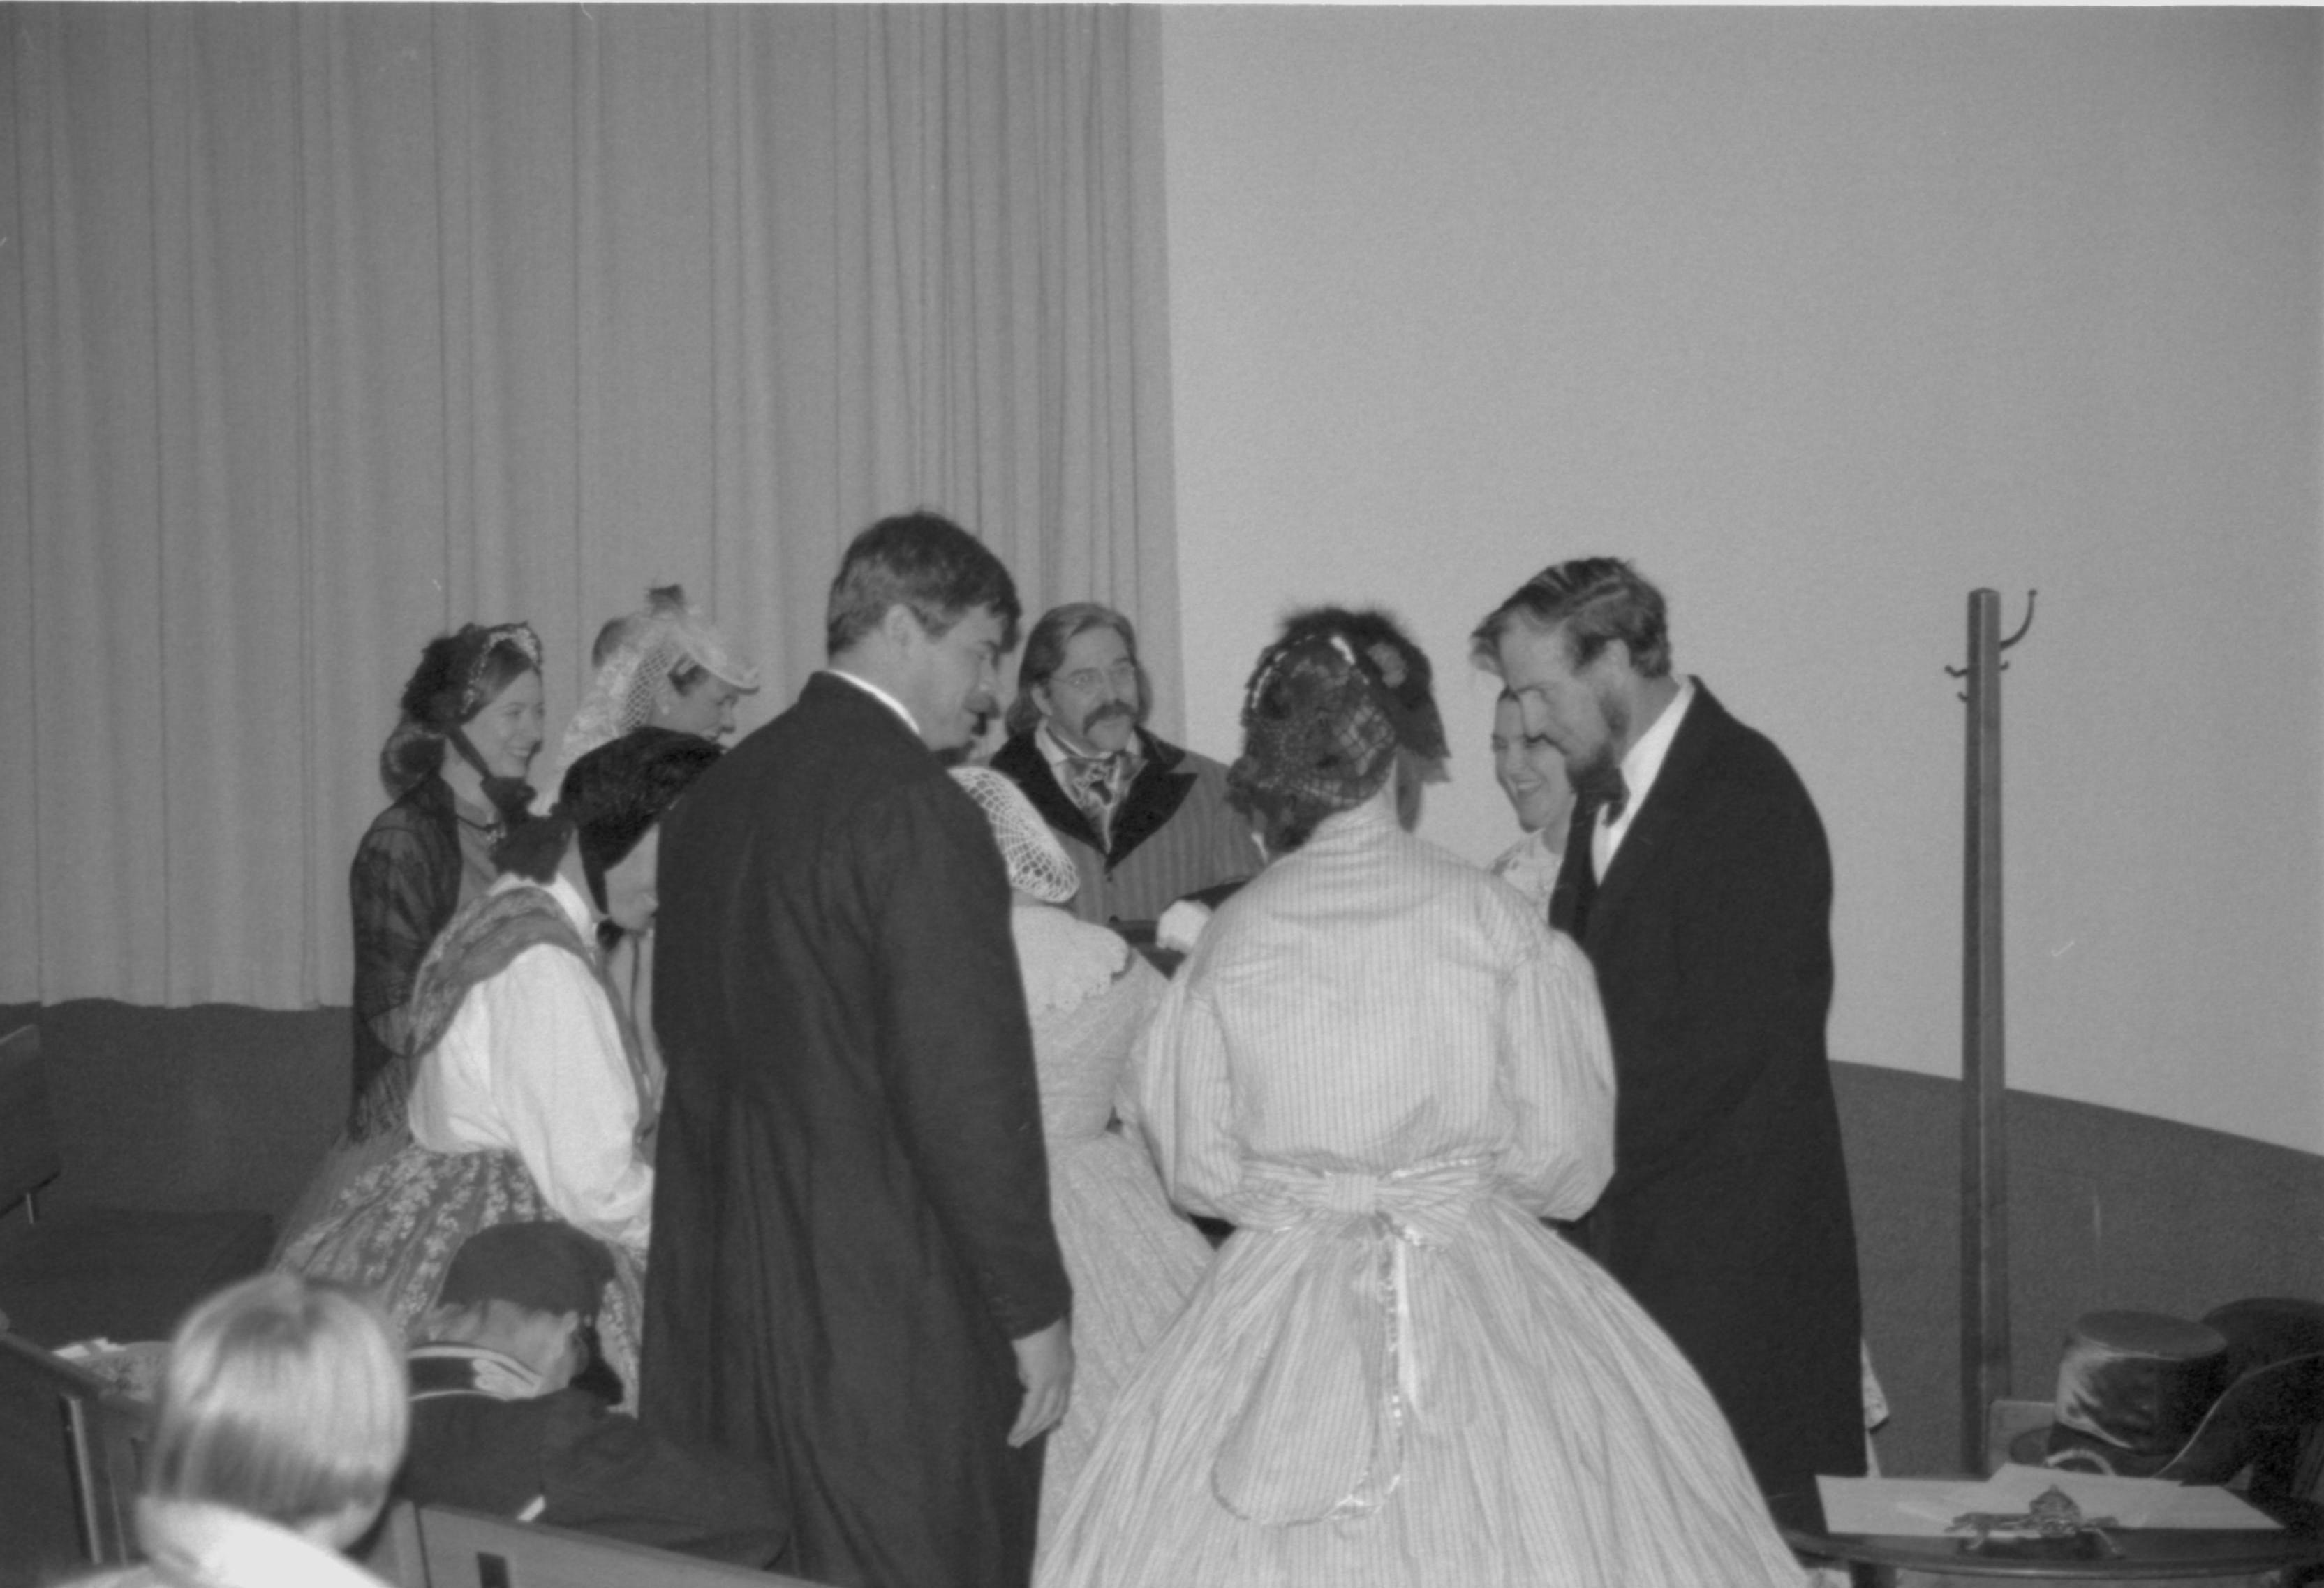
<point>1748,978</point>
<point>956,1049</point>
<point>397,908</point>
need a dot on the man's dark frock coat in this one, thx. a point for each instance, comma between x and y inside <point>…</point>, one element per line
<point>1728,1215</point>
<point>851,1203</point>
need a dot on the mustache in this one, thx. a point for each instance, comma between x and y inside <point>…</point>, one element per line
<point>1111,708</point>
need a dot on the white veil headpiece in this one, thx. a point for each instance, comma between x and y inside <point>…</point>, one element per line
<point>650,645</point>
<point>1038,864</point>
<point>1064,961</point>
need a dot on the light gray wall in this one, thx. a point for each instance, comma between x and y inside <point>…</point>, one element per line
<point>1826,317</point>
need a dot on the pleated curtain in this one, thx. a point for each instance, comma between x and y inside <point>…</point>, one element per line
<point>325,328</point>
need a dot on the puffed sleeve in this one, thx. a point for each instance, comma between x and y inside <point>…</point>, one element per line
<point>1558,1068</point>
<point>1177,1098</point>
<point>560,1082</point>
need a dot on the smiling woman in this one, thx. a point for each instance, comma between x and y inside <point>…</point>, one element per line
<point>1531,773</point>
<point>476,694</point>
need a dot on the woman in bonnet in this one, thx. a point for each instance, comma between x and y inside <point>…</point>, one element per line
<point>1132,1261</point>
<point>1384,1069</point>
<point>529,1099</point>
<point>665,666</point>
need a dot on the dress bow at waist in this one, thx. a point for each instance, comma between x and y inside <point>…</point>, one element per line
<point>1321,1432</point>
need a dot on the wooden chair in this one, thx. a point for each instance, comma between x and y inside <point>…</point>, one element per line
<point>466,1549</point>
<point>390,1551</point>
<point>70,1454</point>
<point>76,1273</point>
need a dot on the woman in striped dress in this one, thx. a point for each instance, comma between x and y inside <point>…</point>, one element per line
<point>1385,1069</point>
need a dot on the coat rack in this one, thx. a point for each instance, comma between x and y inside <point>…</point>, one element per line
<point>1985,1145</point>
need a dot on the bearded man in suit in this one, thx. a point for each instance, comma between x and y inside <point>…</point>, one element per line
<point>854,1273</point>
<point>1697,878</point>
<point>1146,821</point>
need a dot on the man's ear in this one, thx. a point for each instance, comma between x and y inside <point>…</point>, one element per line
<point>900,629</point>
<point>1613,654</point>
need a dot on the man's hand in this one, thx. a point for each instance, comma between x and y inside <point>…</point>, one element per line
<point>1045,1366</point>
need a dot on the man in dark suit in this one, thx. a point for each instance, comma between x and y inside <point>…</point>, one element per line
<point>1697,878</point>
<point>853,1270</point>
<point>1146,822</point>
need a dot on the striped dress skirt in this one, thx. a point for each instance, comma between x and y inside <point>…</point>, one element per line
<point>1405,1380</point>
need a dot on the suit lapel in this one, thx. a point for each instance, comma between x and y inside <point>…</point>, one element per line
<point>1665,808</point>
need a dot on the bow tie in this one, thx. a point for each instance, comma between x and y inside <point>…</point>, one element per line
<point>1612,797</point>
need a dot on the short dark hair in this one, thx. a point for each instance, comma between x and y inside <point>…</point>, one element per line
<point>926,563</point>
<point>1044,652</point>
<point>1591,601</point>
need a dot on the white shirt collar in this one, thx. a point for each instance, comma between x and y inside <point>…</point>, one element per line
<point>881,696</point>
<point>1641,765</point>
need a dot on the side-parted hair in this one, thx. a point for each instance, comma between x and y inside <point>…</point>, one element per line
<point>1591,601</point>
<point>927,564</point>
<point>1044,652</point>
<point>283,1397</point>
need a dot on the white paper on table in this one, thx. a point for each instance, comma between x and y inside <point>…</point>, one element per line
<point>1926,1508</point>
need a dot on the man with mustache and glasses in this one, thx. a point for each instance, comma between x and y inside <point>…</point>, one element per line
<point>1146,822</point>
<point>1697,879</point>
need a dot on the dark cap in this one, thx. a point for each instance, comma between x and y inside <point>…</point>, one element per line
<point>545,1265</point>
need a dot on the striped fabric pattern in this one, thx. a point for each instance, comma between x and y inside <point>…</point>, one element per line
<point>1383,1067</point>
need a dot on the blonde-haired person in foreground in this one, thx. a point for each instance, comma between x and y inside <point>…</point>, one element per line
<point>283,1411</point>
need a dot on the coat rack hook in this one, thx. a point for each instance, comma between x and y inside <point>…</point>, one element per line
<point>2028,624</point>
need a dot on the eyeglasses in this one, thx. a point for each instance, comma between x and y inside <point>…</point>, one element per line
<point>1122,675</point>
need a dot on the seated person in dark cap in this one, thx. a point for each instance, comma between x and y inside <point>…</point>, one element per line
<point>497,1426</point>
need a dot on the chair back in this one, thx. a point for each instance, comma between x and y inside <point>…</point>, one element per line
<point>70,1457</point>
<point>468,1550</point>
<point>390,1551</point>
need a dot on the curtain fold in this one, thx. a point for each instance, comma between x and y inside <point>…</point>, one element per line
<point>324,328</point>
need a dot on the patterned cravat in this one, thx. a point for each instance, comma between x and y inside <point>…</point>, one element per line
<point>1096,783</point>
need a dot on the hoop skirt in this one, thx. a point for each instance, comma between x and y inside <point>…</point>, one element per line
<point>1132,1260</point>
<point>1384,1071</point>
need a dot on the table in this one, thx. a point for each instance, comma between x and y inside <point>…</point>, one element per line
<point>2150,1555</point>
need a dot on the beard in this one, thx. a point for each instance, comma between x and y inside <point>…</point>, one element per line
<point>1597,777</point>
